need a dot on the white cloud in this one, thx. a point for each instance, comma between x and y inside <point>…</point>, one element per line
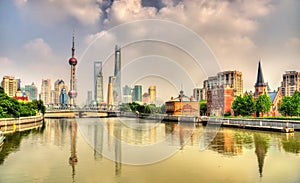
<point>293,42</point>
<point>87,12</point>
<point>5,61</point>
<point>38,46</point>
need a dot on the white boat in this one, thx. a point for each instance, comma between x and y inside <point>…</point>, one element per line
<point>2,138</point>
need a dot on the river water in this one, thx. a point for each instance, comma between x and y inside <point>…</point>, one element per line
<point>135,150</point>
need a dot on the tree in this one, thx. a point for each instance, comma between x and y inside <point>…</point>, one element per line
<point>290,105</point>
<point>203,107</point>
<point>243,105</point>
<point>263,104</point>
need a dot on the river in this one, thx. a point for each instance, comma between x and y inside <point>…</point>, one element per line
<point>136,150</point>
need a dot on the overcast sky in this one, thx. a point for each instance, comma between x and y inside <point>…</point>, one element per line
<point>36,40</point>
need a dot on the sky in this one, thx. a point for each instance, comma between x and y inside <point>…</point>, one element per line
<point>174,44</point>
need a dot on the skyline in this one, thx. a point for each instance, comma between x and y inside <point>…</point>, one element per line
<point>239,34</point>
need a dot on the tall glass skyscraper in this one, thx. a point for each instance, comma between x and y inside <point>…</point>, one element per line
<point>137,93</point>
<point>117,74</point>
<point>98,82</point>
<point>31,91</point>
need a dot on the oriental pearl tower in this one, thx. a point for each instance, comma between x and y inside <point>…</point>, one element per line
<point>72,61</point>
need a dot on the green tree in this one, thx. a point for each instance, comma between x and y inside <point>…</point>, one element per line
<point>243,105</point>
<point>203,107</point>
<point>263,104</point>
<point>290,105</point>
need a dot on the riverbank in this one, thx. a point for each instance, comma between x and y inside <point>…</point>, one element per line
<point>9,125</point>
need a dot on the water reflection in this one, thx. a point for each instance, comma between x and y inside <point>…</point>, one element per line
<point>230,148</point>
<point>13,141</point>
<point>73,158</point>
<point>261,148</point>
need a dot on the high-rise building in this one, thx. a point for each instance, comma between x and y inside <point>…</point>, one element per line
<point>63,98</point>
<point>127,96</point>
<point>98,82</point>
<point>31,91</point>
<point>152,94</point>
<point>137,93</point>
<point>73,62</point>
<point>234,79</point>
<point>18,84</point>
<point>199,94</point>
<point>290,83</point>
<point>146,98</point>
<point>89,97</point>
<point>110,99</point>
<point>9,84</point>
<point>221,90</point>
<point>46,91</point>
<point>260,85</point>
<point>117,74</point>
<point>58,85</point>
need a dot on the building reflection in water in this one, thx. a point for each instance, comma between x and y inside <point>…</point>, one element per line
<point>98,141</point>
<point>261,148</point>
<point>73,158</point>
<point>118,152</point>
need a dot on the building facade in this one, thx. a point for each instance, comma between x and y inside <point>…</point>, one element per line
<point>31,91</point>
<point>110,97</point>
<point>9,84</point>
<point>221,91</point>
<point>290,83</point>
<point>182,106</point>
<point>137,93</point>
<point>58,85</point>
<point>98,82</point>
<point>46,91</point>
<point>117,74</point>
<point>152,94</point>
<point>127,94</point>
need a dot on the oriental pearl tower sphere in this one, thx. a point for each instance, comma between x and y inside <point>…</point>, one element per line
<point>72,61</point>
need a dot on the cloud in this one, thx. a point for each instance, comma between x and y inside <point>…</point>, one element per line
<point>5,61</point>
<point>87,12</point>
<point>293,42</point>
<point>38,46</point>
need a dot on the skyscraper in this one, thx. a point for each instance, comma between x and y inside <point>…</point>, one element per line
<point>31,91</point>
<point>127,96</point>
<point>46,91</point>
<point>137,93</point>
<point>73,62</point>
<point>117,74</point>
<point>58,85</point>
<point>89,97</point>
<point>98,82</point>
<point>63,98</point>
<point>111,81</point>
<point>152,94</point>
<point>290,83</point>
<point>9,84</point>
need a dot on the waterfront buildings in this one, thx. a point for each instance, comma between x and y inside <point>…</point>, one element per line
<point>98,82</point>
<point>73,62</point>
<point>146,98</point>
<point>137,93</point>
<point>89,97</point>
<point>46,91</point>
<point>111,81</point>
<point>9,84</point>
<point>221,91</point>
<point>117,74</point>
<point>152,94</point>
<point>127,94</point>
<point>182,105</point>
<point>31,91</point>
<point>58,86</point>
<point>290,83</point>
<point>63,98</point>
